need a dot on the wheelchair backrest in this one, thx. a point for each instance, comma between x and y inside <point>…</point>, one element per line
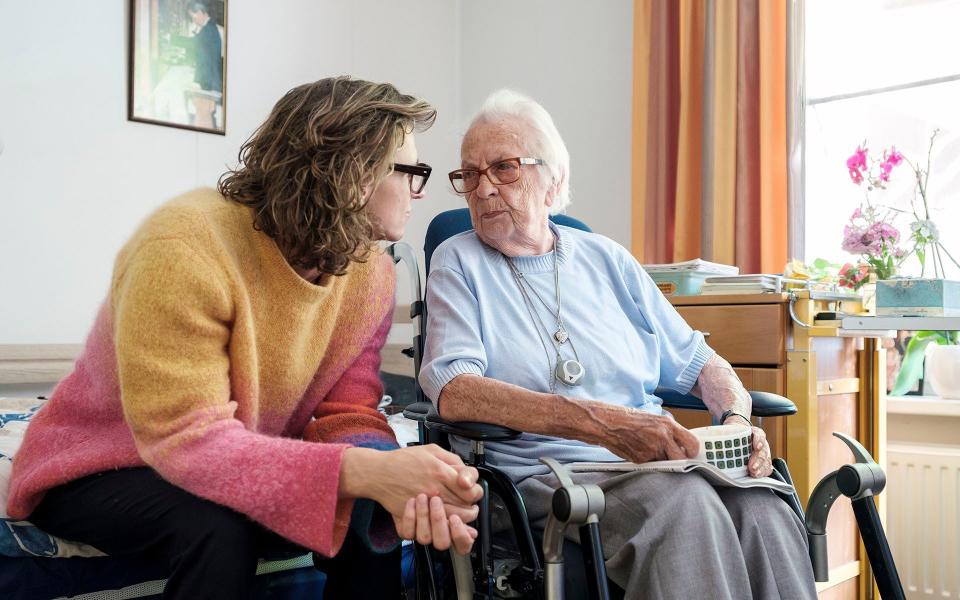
<point>452,222</point>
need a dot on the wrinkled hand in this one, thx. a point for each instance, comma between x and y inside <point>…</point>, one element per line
<point>642,437</point>
<point>426,521</point>
<point>761,459</point>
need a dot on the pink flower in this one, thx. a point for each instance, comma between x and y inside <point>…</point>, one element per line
<point>891,159</point>
<point>851,276</point>
<point>857,164</point>
<point>884,232</point>
<point>845,275</point>
<point>858,160</point>
<point>893,156</point>
<point>857,213</point>
<point>885,171</point>
<point>857,240</point>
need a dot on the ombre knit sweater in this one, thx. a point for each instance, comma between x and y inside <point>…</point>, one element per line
<point>209,362</point>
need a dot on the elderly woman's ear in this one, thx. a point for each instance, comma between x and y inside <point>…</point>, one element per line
<point>553,190</point>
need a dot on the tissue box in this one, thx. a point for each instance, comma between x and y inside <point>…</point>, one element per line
<point>918,297</point>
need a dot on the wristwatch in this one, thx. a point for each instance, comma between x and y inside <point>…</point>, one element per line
<point>732,413</point>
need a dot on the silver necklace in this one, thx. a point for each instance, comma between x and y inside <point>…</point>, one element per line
<point>569,371</point>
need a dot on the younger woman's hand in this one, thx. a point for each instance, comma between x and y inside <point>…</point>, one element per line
<point>392,478</point>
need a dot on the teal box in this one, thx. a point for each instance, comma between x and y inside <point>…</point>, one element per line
<point>918,297</point>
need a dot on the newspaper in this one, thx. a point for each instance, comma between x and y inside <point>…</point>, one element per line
<point>714,475</point>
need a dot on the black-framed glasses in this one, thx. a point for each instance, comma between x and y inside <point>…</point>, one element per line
<point>419,174</point>
<point>501,172</point>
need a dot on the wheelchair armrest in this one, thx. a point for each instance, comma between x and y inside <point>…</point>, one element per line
<point>424,412</point>
<point>765,404</point>
<point>417,411</point>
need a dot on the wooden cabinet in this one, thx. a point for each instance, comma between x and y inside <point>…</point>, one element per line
<point>831,377</point>
<point>752,334</point>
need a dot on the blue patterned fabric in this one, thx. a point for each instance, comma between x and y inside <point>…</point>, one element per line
<point>125,577</point>
<point>22,538</point>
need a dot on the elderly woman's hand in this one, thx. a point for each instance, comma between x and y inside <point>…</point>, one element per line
<point>640,437</point>
<point>426,521</point>
<point>761,459</point>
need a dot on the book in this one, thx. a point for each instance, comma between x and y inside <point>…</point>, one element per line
<point>743,279</point>
<point>735,292</point>
<point>697,264</point>
<point>709,289</point>
<point>712,474</point>
<point>757,283</point>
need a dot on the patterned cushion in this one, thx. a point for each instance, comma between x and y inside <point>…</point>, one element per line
<point>22,538</point>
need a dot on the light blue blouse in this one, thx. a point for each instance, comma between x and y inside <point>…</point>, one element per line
<point>628,337</point>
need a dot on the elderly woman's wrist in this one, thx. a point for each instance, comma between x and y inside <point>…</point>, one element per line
<point>578,419</point>
<point>731,417</point>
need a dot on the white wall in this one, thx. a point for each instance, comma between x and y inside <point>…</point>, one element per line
<point>575,58</point>
<point>76,177</point>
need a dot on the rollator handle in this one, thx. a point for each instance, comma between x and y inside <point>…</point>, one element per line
<point>574,504</point>
<point>860,482</point>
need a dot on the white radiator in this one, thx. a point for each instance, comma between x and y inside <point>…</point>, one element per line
<point>923,518</point>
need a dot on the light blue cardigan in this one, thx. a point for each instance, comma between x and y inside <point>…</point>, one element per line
<point>630,340</point>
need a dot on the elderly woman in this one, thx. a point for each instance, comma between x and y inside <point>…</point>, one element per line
<point>561,334</point>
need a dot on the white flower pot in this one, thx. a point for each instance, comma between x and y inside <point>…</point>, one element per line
<point>943,370</point>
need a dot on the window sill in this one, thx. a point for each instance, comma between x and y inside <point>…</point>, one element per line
<point>933,406</point>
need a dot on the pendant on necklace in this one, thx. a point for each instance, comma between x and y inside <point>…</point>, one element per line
<point>561,336</point>
<point>570,372</point>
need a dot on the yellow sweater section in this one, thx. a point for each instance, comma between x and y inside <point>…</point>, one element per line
<point>208,311</point>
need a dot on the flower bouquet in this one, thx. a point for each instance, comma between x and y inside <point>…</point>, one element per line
<point>871,232</point>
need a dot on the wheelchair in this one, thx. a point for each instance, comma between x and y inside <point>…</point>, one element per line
<point>500,566</point>
<point>510,559</point>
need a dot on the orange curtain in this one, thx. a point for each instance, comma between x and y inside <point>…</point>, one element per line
<point>710,132</point>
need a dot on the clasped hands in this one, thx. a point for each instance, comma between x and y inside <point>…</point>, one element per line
<point>428,491</point>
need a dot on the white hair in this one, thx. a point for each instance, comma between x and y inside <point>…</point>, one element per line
<point>546,143</point>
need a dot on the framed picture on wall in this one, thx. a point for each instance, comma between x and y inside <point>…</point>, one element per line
<point>178,64</point>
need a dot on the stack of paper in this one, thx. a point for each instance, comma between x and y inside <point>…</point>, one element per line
<point>743,284</point>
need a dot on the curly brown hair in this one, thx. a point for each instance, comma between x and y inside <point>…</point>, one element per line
<point>310,168</point>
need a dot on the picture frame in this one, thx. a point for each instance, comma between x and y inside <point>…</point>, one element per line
<point>177,74</point>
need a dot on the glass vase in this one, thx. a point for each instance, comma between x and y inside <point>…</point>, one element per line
<point>943,370</point>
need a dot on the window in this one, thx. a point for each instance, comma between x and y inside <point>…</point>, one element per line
<point>888,72</point>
